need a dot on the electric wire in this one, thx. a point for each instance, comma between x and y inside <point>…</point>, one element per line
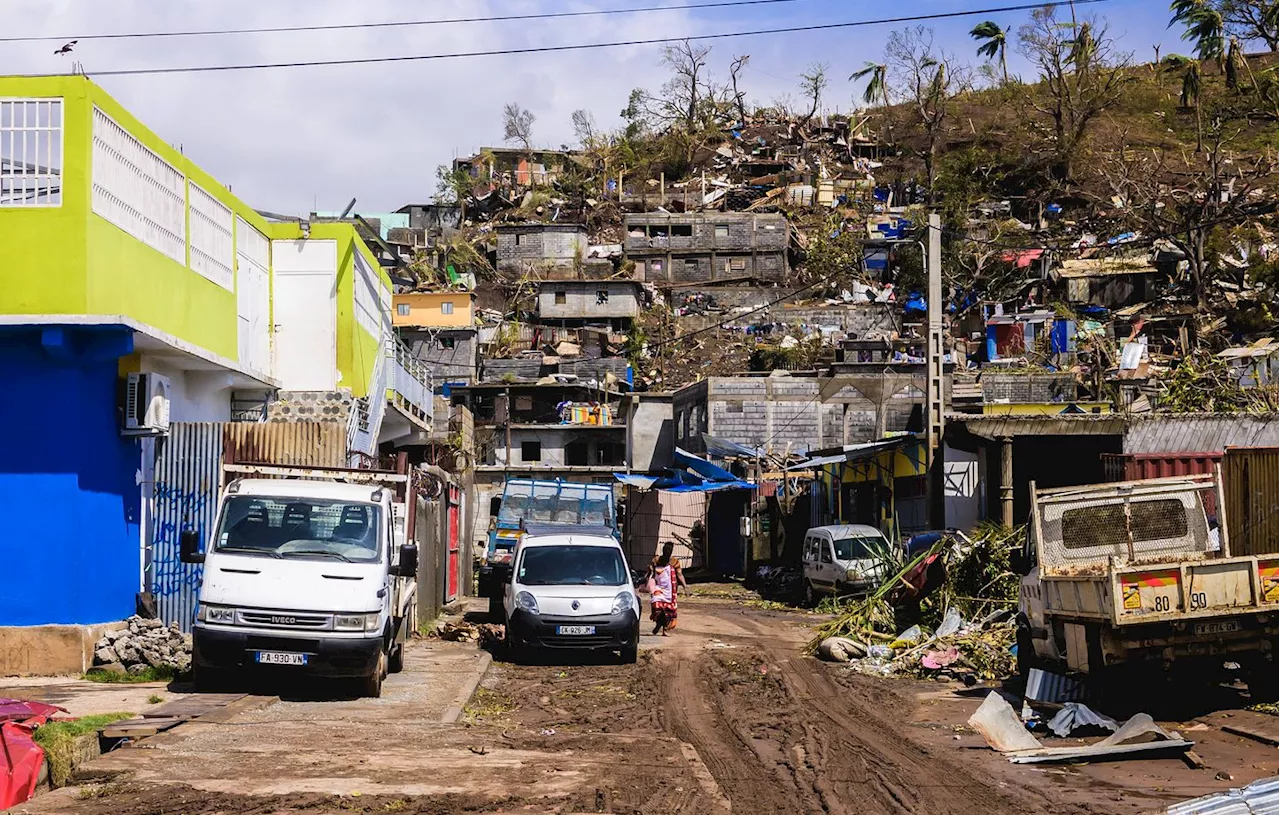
<point>544,49</point>
<point>386,24</point>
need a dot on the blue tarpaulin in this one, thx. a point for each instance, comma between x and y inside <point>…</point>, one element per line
<point>705,477</point>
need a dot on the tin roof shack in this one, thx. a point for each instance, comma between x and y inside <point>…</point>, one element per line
<point>612,302</point>
<point>1039,336</point>
<point>1004,453</point>
<point>509,168</point>
<point>541,251</point>
<point>878,483</point>
<point>708,247</point>
<point>1111,282</point>
<point>1255,366</point>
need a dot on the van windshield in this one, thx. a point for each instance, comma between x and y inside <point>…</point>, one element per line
<point>859,548</point>
<point>572,566</point>
<point>297,527</point>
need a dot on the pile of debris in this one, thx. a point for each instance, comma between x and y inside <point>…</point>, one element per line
<point>141,645</point>
<point>969,652</point>
<point>468,632</point>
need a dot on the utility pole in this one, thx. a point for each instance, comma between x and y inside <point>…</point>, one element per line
<point>934,395</point>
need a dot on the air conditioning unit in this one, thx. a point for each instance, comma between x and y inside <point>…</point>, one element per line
<point>146,405</point>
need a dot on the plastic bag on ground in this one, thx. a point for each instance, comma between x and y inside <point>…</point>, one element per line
<point>952,622</point>
<point>911,636</point>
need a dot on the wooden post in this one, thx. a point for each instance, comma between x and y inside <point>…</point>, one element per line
<point>1006,481</point>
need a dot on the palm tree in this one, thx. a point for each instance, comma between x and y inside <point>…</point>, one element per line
<point>1237,67</point>
<point>1204,26</point>
<point>1191,87</point>
<point>995,40</point>
<point>877,89</point>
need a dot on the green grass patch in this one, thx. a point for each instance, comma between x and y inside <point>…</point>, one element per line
<point>153,699</point>
<point>59,740</point>
<point>165,673</point>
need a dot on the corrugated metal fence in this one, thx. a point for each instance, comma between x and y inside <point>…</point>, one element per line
<point>184,492</point>
<point>1251,486</point>
<point>184,496</point>
<point>656,517</point>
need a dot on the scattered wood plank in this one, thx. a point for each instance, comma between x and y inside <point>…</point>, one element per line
<point>1266,737</point>
<point>1193,759</point>
<point>139,728</point>
<point>192,706</point>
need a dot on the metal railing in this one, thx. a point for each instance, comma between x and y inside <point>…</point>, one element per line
<point>409,385</point>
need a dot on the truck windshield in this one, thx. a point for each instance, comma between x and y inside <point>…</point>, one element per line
<point>859,548</point>
<point>572,566</point>
<point>297,527</point>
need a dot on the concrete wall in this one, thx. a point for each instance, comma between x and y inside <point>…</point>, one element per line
<point>540,250</point>
<point>650,432</point>
<point>998,387</point>
<point>71,543</point>
<point>456,364</point>
<point>303,406</point>
<point>553,442</point>
<point>855,320</point>
<point>663,233</point>
<point>791,414</point>
<point>49,650</point>
<point>579,300</point>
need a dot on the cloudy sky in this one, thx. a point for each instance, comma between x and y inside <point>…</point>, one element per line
<point>296,139</point>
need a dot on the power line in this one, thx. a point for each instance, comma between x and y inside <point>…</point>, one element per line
<point>388,24</point>
<point>572,47</point>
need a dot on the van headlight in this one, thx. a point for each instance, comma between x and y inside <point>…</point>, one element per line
<point>224,615</point>
<point>527,602</point>
<point>852,575</point>
<point>622,603</point>
<point>356,622</point>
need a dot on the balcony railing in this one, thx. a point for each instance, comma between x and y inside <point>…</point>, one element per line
<point>409,386</point>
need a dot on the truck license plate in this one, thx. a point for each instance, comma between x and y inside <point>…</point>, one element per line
<point>1218,628</point>
<point>575,630</point>
<point>280,658</point>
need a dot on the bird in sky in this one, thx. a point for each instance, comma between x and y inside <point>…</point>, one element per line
<point>66,49</point>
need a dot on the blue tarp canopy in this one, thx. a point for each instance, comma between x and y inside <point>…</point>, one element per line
<point>700,475</point>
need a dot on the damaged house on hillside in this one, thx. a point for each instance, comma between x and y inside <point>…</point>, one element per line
<point>541,251</point>
<point>709,247</point>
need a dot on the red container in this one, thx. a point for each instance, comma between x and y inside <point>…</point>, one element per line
<point>1142,466</point>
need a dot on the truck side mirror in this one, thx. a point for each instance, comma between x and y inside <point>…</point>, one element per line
<point>408,560</point>
<point>189,546</point>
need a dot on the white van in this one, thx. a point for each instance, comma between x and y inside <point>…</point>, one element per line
<point>842,559</point>
<point>570,588</point>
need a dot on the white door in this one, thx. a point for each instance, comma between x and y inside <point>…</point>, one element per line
<point>306,314</point>
<point>253,297</point>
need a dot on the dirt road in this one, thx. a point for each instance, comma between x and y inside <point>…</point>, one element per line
<point>723,716</point>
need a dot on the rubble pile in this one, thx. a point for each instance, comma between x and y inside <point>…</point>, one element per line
<point>468,632</point>
<point>141,645</point>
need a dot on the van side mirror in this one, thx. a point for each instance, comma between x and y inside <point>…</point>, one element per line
<point>189,546</point>
<point>408,560</point>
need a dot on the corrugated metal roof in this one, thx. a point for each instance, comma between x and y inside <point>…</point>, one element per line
<point>1262,797</point>
<point>1198,433</point>
<point>1104,267</point>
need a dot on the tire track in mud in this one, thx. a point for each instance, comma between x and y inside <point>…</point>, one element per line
<point>835,751</point>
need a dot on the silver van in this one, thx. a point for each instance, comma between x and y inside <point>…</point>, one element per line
<point>842,559</point>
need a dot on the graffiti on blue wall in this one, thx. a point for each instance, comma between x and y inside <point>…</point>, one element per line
<point>176,509</point>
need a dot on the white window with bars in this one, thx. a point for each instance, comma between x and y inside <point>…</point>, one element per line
<point>213,246</point>
<point>369,298</point>
<point>30,152</point>
<point>137,190</point>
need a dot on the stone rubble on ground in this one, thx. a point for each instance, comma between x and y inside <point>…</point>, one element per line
<point>142,644</point>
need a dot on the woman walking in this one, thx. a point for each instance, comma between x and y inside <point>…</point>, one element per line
<point>664,577</point>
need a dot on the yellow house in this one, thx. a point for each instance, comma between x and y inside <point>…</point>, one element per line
<point>434,310</point>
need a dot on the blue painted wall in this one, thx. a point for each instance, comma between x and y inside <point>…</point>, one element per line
<point>69,505</point>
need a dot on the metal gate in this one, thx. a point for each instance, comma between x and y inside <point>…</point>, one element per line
<point>451,582</point>
<point>184,495</point>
